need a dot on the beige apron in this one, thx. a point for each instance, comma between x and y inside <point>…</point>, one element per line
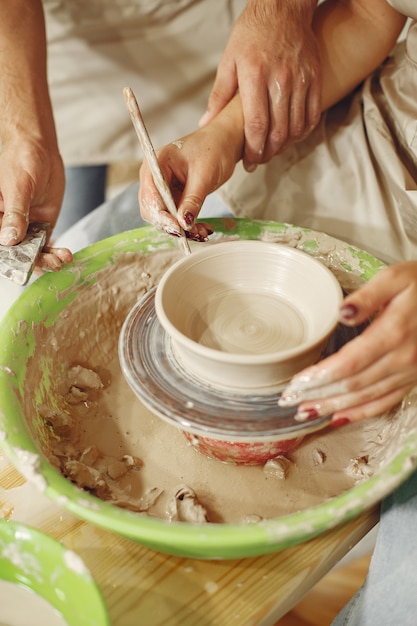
<point>356,176</point>
<point>167,51</point>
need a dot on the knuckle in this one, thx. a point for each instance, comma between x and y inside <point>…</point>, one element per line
<point>278,136</point>
<point>257,126</point>
<point>285,78</point>
<point>409,355</point>
<point>216,97</point>
<point>277,143</point>
<point>399,336</point>
<point>14,211</point>
<point>354,384</point>
<point>298,130</point>
<point>193,202</point>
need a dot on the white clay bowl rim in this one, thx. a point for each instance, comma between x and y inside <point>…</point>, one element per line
<point>334,292</point>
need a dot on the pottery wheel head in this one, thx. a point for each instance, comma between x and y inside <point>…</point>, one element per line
<point>154,374</point>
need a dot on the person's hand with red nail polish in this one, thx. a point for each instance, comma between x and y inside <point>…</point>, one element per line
<point>193,167</point>
<point>372,373</point>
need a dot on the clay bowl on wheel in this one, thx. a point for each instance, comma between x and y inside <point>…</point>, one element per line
<point>248,315</point>
<point>245,316</point>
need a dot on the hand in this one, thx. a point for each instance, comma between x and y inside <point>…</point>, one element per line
<point>193,167</point>
<point>31,171</point>
<point>374,371</point>
<point>272,58</point>
<point>31,189</point>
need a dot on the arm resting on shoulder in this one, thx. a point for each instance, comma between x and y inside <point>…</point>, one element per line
<point>354,37</point>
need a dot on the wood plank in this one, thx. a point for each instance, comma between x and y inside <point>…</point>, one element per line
<point>140,585</point>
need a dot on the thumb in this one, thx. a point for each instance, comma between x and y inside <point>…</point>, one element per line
<point>16,206</point>
<point>189,209</point>
<point>224,89</point>
<point>198,185</point>
<point>371,297</point>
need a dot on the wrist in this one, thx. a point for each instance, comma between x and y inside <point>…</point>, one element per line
<point>296,9</point>
<point>230,127</point>
<point>32,123</point>
<point>21,145</point>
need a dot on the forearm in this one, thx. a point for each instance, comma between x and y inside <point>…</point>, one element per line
<point>228,126</point>
<point>25,107</point>
<point>290,10</point>
<point>31,169</point>
<point>355,36</point>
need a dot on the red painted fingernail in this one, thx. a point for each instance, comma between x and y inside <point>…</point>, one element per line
<point>340,421</point>
<point>189,218</point>
<point>307,415</point>
<point>195,237</point>
<point>173,233</point>
<point>348,312</point>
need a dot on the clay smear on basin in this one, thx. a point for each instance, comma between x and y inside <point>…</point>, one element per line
<point>92,427</point>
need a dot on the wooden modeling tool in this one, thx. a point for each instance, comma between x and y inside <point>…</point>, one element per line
<point>148,149</point>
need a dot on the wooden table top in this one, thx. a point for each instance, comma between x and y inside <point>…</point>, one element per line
<point>141,586</point>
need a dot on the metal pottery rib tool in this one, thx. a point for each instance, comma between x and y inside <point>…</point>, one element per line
<point>17,262</point>
<point>148,149</point>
